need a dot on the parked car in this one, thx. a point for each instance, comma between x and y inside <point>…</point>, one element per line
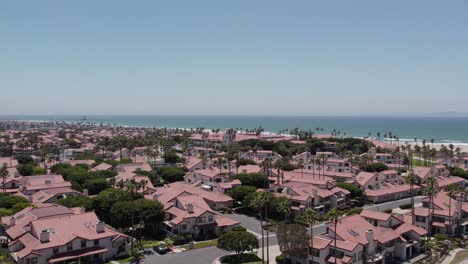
<point>161,248</point>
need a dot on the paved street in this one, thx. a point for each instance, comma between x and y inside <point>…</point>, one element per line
<point>251,223</point>
<point>394,204</point>
<point>208,255</point>
<point>199,256</point>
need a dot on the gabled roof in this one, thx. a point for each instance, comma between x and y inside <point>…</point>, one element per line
<point>67,228</point>
<point>364,177</point>
<point>375,215</point>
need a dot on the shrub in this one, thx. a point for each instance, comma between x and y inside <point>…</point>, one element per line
<point>243,162</point>
<point>405,206</point>
<point>440,237</point>
<point>239,228</point>
<point>375,167</point>
<point>280,259</point>
<point>388,211</point>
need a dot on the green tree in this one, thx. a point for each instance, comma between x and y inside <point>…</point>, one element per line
<point>9,201</point>
<point>96,185</point>
<point>20,206</point>
<point>239,193</point>
<point>257,180</point>
<point>355,191</point>
<point>238,242</point>
<point>39,171</point>
<point>172,174</point>
<point>23,159</point>
<point>25,169</point>
<point>172,157</point>
<point>77,201</point>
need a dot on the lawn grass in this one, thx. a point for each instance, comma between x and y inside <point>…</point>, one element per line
<point>123,260</point>
<point>248,258</point>
<point>150,243</point>
<point>421,163</point>
<point>460,256</point>
<point>202,244</point>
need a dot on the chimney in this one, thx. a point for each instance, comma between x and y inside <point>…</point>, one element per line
<point>190,208</point>
<point>44,236</point>
<point>12,221</point>
<point>372,246</point>
<point>82,210</point>
<point>85,192</point>
<point>100,227</point>
<point>370,235</point>
<point>316,198</point>
<point>353,177</point>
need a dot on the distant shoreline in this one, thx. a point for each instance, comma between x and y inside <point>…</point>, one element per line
<point>443,130</point>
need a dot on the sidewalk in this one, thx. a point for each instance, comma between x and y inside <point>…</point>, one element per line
<point>274,252</point>
<point>448,259</point>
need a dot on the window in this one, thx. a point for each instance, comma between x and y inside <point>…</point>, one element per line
<point>55,250</point>
<point>96,242</point>
<point>69,246</point>
<point>83,243</point>
<point>34,260</point>
<point>201,219</point>
<point>210,218</point>
<point>184,227</point>
<point>420,219</point>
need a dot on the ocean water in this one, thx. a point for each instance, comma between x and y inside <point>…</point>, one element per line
<point>442,129</point>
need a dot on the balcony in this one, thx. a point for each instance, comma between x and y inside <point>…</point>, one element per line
<point>377,258</point>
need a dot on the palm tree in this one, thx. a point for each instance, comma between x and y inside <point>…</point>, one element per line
<point>284,207</point>
<point>310,217</point>
<point>430,191</point>
<point>411,180</point>
<point>220,164</point>
<point>278,165</point>
<point>259,201</point>
<point>4,174</point>
<point>451,191</point>
<point>463,194</point>
<point>333,215</point>
<point>301,165</point>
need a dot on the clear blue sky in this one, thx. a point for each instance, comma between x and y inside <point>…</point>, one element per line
<point>234,57</point>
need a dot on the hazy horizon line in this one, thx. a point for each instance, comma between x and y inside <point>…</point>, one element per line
<point>437,114</point>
